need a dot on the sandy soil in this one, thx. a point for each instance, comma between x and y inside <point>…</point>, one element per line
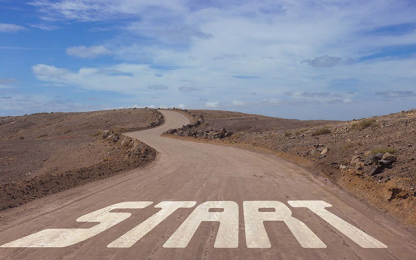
<point>41,154</point>
<point>200,172</point>
<point>347,144</point>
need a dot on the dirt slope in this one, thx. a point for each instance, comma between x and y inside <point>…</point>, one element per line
<point>41,154</point>
<point>341,150</point>
<point>190,171</point>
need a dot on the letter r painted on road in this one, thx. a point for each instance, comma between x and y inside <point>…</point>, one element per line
<point>67,237</point>
<point>227,236</point>
<point>355,234</point>
<point>256,236</point>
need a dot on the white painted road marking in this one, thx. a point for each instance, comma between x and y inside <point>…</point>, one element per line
<point>356,235</point>
<point>227,236</point>
<point>256,236</point>
<point>68,237</point>
<point>134,235</point>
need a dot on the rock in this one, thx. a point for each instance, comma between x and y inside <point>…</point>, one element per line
<point>312,152</point>
<point>375,169</point>
<point>322,156</point>
<point>115,137</point>
<point>371,159</point>
<point>125,142</point>
<point>385,163</point>
<point>342,167</point>
<point>389,157</point>
<point>171,131</point>
<point>378,156</point>
<point>325,151</point>
<point>106,133</point>
<point>355,159</point>
<point>359,166</point>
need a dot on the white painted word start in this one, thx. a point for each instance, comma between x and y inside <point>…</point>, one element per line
<point>255,213</point>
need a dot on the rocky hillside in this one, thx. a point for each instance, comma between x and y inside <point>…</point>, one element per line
<point>41,154</point>
<point>374,158</point>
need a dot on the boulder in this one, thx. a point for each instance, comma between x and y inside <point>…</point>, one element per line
<point>378,156</point>
<point>375,169</point>
<point>385,163</point>
<point>371,159</point>
<point>389,157</point>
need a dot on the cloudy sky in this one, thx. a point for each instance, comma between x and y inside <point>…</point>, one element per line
<point>305,59</point>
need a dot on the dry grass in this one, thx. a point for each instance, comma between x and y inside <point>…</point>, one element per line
<point>363,124</point>
<point>384,150</point>
<point>322,131</point>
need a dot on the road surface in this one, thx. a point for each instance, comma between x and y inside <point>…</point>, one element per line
<point>203,201</point>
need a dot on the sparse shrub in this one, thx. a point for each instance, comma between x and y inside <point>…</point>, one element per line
<point>363,124</point>
<point>301,131</point>
<point>322,131</point>
<point>43,135</point>
<point>270,136</point>
<point>351,145</point>
<point>97,134</point>
<point>21,137</point>
<point>287,134</point>
<point>384,150</point>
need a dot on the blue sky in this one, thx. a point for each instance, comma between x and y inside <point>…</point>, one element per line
<point>309,59</point>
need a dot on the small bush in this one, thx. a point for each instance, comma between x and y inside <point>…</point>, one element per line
<point>351,145</point>
<point>323,131</point>
<point>384,150</point>
<point>21,137</point>
<point>301,131</point>
<point>287,134</point>
<point>44,135</point>
<point>363,124</point>
<point>97,134</point>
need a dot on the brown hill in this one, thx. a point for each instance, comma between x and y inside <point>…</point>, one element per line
<point>374,158</point>
<point>48,152</point>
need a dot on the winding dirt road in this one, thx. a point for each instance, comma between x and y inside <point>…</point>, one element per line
<point>202,201</point>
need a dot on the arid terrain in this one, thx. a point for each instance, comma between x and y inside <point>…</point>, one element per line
<point>201,200</point>
<point>44,153</point>
<point>372,158</point>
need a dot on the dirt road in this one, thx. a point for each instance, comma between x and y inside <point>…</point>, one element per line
<point>202,201</point>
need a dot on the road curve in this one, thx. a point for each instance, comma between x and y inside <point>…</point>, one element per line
<point>199,172</point>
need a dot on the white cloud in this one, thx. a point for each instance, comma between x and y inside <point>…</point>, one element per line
<point>238,103</point>
<point>99,10</point>
<point>11,28</point>
<point>7,82</point>
<point>88,52</point>
<point>196,51</point>
<point>212,104</point>
<point>181,106</point>
<point>45,27</point>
